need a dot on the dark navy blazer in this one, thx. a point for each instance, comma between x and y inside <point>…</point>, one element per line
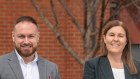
<point>100,68</point>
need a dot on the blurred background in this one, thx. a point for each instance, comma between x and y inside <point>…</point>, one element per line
<point>70,30</point>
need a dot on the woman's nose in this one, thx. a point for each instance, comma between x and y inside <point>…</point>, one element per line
<point>116,38</point>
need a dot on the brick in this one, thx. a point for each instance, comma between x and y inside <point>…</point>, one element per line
<point>49,46</point>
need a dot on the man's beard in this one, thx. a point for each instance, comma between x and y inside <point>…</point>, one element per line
<point>25,53</point>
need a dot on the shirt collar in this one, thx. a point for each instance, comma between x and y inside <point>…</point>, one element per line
<point>21,59</point>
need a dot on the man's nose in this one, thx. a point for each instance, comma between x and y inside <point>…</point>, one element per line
<point>26,40</point>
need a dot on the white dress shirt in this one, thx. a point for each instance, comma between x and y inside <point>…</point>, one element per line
<point>118,73</point>
<point>29,70</point>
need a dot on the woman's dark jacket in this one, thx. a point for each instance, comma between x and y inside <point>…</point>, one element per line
<point>100,68</point>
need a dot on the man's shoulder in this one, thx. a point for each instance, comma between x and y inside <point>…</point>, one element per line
<point>47,62</point>
<point>7,55</point>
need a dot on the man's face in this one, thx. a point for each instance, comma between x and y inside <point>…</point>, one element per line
<point>25,36</point>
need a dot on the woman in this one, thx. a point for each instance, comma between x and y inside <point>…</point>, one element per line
<point>115,60</point>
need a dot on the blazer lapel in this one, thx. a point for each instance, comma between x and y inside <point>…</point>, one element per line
<point>42,68</point>
<point>127,74</point>
<point>106,68</point>
<point>14,63</point>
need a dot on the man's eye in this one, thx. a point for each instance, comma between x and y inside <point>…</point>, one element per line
<point>31,36</point>
<point>20,36</point>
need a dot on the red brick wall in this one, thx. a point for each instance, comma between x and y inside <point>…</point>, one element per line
<point>49,47</point>
<point>98,14</point>
<point>132,25</point>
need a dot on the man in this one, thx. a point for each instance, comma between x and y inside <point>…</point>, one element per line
<point>24,62</point>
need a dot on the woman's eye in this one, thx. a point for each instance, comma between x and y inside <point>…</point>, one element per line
<point>121,36</point>
<point>111,35</point>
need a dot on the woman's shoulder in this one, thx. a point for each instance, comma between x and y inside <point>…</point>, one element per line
<point>94,63</point>
<point>94,60</point>
<point>97,58</point>
<point>137,63</point>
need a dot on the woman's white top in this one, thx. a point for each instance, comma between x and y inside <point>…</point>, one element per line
<point>118,73</point>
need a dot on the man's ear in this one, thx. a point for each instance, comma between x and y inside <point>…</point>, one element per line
<point>38,36</point>
<point>13,36</point>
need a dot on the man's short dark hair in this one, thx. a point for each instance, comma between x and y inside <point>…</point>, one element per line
<point>26,18</point>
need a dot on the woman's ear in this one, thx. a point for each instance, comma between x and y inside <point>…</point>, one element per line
<point>126,42</point>
<point>104,38</point>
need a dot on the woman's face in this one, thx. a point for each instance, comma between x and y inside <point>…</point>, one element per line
<point>115,40</point>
